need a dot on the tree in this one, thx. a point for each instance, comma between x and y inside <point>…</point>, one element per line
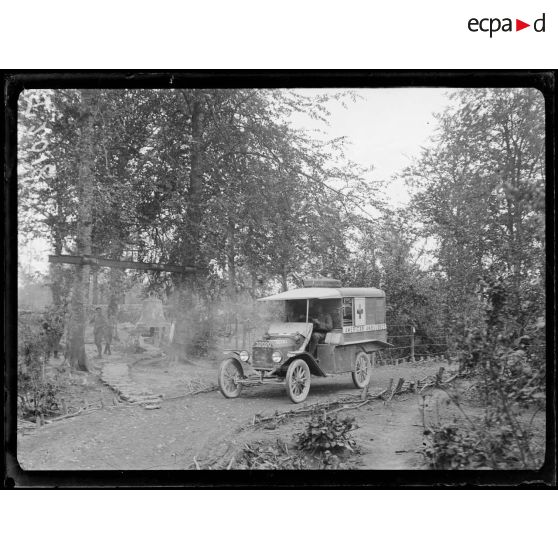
<point>85,196</point>
<point>216,178</point>
<point>479,191</point>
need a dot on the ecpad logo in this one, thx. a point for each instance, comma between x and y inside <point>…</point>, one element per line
<point>493,25</point>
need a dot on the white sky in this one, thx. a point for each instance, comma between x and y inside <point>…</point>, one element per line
<point>386,129</point>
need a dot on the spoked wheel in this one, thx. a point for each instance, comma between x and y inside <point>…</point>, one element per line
<point>229,374</point>
<point>297,381</point>
<point>362,374</point>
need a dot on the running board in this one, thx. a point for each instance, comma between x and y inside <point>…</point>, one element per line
<point>259,381</point>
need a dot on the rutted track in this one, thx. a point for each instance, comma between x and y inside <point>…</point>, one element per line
<point>205,425</point>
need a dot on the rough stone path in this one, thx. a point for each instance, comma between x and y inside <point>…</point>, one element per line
<point>117,376</point>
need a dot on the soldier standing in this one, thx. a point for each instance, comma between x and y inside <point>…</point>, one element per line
<point>100,327</point>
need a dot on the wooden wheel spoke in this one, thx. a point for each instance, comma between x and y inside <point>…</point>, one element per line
<point>229,375</point>
<point>362,371</point>
<point>298,381</point>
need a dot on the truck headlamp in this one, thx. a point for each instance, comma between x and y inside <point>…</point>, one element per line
<point>244,356</point>
<point>277,356</point>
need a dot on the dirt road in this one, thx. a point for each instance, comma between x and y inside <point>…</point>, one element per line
<point>205,426</point>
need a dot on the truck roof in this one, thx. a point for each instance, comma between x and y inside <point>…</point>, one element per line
<point>326,293</point>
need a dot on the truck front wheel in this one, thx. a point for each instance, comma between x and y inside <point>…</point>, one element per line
<point>297,380</point>
<point>229,374</point>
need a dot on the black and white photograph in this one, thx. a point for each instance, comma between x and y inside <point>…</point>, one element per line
<point>281,278</point>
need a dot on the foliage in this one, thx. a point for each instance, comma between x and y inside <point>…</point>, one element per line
<point>327,433</point>
<point>189,176</point>
<point>479,194</point>
<point>215,178</point>
<point>319,446</point>
<point>270,456</point>
<point>510,374</point>
<point>221,179</point>
<point>509,347</point>
<point>38,336</point>
<point>452,446</point>
<point>38,399</point>
<point>264,455</point>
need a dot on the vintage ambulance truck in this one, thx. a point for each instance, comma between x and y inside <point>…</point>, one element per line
<point>358,330</point>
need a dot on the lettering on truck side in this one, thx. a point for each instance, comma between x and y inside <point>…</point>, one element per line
<point>368,327</point>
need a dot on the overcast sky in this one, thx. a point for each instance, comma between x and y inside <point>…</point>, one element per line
<point>386,128</point>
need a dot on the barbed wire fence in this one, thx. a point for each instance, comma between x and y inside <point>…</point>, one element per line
<point>408,344</point>
<point>412,345</point>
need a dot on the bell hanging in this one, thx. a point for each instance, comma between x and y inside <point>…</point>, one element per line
<point>152,314</point>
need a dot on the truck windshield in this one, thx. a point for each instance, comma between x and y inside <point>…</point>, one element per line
<point>295,310</point>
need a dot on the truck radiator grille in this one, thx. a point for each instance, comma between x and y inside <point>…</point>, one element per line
<point>261,356</point>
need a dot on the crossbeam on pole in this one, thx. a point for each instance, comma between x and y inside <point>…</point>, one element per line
<point>104,262</point>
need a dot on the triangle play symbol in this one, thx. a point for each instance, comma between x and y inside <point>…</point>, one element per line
<point>519,25</point>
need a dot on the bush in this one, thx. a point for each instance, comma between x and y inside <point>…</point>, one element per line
<point>38,335</point>
<point>504,356</point>
<point>327,434</point>
<point>454,447</point>
<point>40,398</point>
<point>451,448</point>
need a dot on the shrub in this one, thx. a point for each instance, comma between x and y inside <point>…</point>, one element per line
<point>453,447</point>
<point>327,434</point>
<point>504,356</point>
<point>38,335</point>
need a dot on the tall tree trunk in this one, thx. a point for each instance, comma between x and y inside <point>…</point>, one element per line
<point>85,192</point>
<point>95,286</point>
<point>193,217</point>
<point>116,287</point>
<point>192,222</point>
<point>284,283</point>
<point>56,279</point>
<point>58,286</point>
<point>231,263</point>
<point>116,292</point>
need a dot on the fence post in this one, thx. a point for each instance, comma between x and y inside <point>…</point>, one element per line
<point>412,343</point>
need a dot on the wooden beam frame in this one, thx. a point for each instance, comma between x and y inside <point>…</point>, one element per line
<point>104,262</point>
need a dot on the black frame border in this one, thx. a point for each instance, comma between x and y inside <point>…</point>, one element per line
<point>16,81</point>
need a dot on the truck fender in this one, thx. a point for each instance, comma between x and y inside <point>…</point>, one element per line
<point>235,356</point>
<point>376,345</point>
<point>310,360</point>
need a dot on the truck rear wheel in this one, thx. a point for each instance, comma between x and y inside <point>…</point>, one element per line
<point>362,374</point>
<point>297,380</point>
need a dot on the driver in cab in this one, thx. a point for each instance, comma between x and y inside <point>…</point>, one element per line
<point>323,323</point>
